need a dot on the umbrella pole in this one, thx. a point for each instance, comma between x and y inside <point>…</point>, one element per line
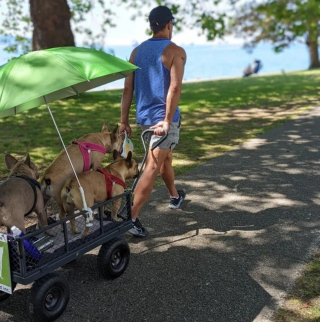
<point>89,218</point>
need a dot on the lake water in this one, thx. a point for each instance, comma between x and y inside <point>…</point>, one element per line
<point>219,61</point>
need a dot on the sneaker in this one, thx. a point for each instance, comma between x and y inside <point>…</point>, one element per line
<point>175,203</point>
<point>137,229</point>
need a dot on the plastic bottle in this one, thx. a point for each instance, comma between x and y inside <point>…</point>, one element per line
<point>28,245</point>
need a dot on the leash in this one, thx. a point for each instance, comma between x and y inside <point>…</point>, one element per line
<point>86,148</point>
<point>110,181</point>
<point>34,184</point>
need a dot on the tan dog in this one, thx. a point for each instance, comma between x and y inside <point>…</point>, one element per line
<point>60,169</point>
<point>20,194</point>
<point>95,188</point>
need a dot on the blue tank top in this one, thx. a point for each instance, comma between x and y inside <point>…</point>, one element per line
<point>151,82</point>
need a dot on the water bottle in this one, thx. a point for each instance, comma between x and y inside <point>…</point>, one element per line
<point>28,245</point>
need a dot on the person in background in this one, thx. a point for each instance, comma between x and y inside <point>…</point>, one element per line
<point>254,69</point>
<point>157,88</point>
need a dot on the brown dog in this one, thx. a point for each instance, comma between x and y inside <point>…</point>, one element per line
<point>94,184</point>
<point>60,169</point>
<point>20,194</point>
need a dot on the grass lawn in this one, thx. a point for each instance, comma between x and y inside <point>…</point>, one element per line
<point>217,116</point>
<point>303,302</point>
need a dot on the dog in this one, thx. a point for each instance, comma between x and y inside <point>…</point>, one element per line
<point>20,194</point>
<point>60,170</point>
<point>95,186</point>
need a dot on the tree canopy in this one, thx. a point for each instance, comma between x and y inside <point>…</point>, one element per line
<point>281,22</point>
<point>38,24</point>
<point>49,21</point>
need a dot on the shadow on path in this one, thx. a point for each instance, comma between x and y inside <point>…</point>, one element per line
<point>249,224</point>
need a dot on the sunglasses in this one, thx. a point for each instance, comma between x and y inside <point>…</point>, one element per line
<point>173,21</point>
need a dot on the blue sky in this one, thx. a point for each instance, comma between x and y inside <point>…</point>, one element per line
<point>128,32</point>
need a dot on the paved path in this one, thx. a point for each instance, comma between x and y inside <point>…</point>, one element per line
<point>250,222</point>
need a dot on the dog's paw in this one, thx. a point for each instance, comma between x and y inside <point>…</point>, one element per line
<point>115,218</point>
<point>51,233</point>
<point>85,232</point>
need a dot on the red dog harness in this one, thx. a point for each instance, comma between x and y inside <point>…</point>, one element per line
<point>86,148</point>
<point>110,181</point>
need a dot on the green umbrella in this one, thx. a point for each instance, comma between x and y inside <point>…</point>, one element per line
<point>44,76</point>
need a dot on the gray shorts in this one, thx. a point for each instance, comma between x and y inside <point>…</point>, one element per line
<point>170,142</point>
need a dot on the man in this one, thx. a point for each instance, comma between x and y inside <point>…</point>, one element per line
<point>157,87</point>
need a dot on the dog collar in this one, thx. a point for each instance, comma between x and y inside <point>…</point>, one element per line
<point>110,181</point>
<point>86,148</point>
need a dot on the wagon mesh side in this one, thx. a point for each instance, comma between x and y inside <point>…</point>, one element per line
<point>66,246</point>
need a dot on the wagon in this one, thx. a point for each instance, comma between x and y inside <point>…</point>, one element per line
<point>50,293</point>
<point>29,81</point>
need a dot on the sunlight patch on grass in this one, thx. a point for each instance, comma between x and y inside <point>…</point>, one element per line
<point>303,302</point>
<point>217,115</point>
<point>297,311</point>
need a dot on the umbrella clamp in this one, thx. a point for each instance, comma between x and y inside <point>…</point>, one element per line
<point>89,217</point>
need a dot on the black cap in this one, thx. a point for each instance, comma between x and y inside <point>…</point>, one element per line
<point>160,15</point>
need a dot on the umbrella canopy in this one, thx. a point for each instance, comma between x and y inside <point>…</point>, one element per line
<point>44,76</point>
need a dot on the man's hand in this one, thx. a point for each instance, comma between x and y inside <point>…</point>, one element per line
<point>125,127</point>
<point>160,128</point>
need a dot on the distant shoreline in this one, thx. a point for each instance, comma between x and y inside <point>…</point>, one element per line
<point>200,80</point>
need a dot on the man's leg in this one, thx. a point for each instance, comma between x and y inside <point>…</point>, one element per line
<point>167,174</point>
<point>145,184</point>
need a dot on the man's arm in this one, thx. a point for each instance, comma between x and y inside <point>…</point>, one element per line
<point>176,76</point>
<point>177,63</point>
<point>126,100</point>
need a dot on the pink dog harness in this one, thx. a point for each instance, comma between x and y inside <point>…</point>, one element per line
<point>110,181</point>
<point>86,148</point>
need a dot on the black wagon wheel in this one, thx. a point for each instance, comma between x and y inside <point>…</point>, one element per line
<point>48,298</point>
<point>4,295</point>
<point>113,258</point>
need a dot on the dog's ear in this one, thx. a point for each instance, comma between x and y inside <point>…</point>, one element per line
<point>115,130</point>
<point>105,128</point>
<point>129,159</point>
<point>10,161</point>
<point>32,166</point>
<point>35,169</point>
<point>114,135</point>
<point>116,155</point>
<point>27,161</point>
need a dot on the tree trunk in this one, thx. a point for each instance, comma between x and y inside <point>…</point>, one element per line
<point>312,43</point>
<point>51,24</point>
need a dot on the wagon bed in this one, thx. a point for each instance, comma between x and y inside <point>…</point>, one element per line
<point>66,246</point>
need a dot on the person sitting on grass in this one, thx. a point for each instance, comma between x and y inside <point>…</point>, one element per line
<point>254,69</point>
